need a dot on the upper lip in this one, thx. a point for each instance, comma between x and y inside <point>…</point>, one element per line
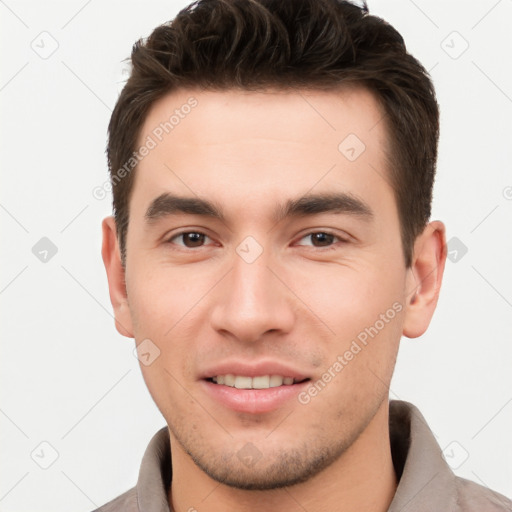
<point>252,369</point>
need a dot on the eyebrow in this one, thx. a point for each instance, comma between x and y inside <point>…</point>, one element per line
<point>311,204</point>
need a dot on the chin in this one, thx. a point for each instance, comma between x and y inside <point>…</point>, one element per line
<point>249,469</point>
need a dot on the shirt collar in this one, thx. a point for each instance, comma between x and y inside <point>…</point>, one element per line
<point>426,482</point>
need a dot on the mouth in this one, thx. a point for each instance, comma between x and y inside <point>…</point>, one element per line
<point>256,393</point>
<point>257,382</point>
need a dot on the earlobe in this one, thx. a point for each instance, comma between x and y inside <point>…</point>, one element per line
<point>424,279</point>
<point>116,278</point>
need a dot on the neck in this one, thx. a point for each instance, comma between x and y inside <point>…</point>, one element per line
<point>362,479</point>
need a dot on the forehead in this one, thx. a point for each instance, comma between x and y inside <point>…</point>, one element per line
<point>242,113</point>
<point>239,145</point>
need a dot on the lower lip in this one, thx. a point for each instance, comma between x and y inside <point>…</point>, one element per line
<point>254,401</point>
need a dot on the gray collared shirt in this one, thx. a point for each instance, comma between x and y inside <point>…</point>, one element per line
<point>426,481</point>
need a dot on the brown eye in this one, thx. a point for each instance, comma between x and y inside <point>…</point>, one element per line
<point>318,239</point>
<point>189,239</point>
<point>322,239</point>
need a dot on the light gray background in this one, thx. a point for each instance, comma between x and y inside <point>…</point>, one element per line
<point>70,380</point>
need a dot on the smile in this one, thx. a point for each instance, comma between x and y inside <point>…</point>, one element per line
<point>259,382</point>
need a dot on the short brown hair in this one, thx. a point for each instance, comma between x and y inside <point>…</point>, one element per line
<point>285,44</point>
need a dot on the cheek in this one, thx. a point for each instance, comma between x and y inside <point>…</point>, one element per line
<point>160,298</point>
<point>362,305</point>
<point>165,305</point>
<point>350,298</point>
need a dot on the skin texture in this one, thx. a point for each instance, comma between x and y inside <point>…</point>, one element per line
<point>299,303</point>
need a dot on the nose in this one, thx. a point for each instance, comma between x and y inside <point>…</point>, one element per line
<point>252,300</point>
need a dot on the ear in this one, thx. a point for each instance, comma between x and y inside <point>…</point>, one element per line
<point>424,279</point>
<point>116,277</point>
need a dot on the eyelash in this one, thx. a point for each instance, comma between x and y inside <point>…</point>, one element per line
<point>337,240</point>
<point>311,233</point>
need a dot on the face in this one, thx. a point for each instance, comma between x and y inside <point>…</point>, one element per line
<point>265,278</point>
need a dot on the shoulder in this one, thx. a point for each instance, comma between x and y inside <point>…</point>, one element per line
<point>473,497</point>
<point>126,502</point>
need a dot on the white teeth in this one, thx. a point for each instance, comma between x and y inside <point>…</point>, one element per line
<point>276,380</point>
<point>260,382</point>
<point>229,380</point>
<point>243,382</point>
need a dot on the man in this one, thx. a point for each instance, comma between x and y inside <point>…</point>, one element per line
<point>272,165</point>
